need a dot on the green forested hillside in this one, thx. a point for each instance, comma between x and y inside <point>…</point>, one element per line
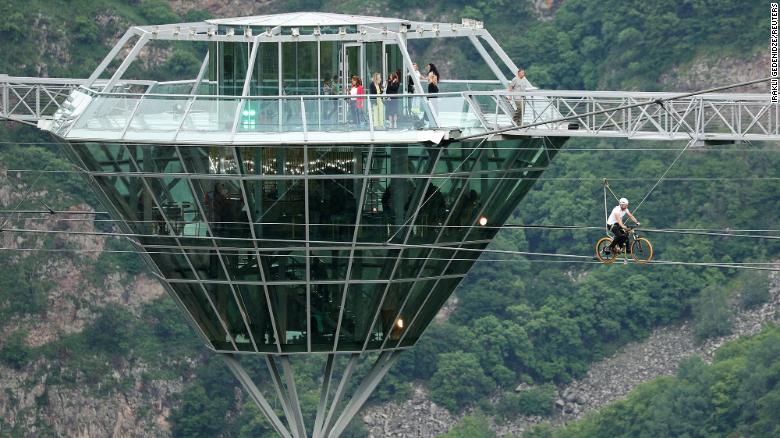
<point>515,321</point>
<point>737,395</point>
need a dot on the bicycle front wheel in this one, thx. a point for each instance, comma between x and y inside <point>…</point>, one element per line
<point>642,250</point>
<point>601,246</point>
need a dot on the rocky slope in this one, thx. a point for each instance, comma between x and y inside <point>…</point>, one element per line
<point>607,380</point>
<point>119,396</point>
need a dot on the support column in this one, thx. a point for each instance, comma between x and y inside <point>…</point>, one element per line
<point>246,382</point>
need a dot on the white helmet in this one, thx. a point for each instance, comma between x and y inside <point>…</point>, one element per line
<point>623,201</point>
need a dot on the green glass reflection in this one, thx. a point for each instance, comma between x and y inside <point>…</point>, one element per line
<point>253,298</point>
<point>325,306</point>
<point>389,322</point>
<point>231,313</point>
<point>289,307</point>
<point>428,308</point>
<point>359,309</point>
<point>199,307</point>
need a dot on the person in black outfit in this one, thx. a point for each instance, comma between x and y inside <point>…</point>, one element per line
<point>433,83</point>
<point>432,69</point>
<point>392,102</point>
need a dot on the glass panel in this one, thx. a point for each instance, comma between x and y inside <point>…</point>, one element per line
<point>351,67</point>
<point>395,64</point>
<point>157,118</point>
<point>373,58</point>
<point>374,264</point>
<point>327,113</point>
<point>429,309</point>
<point>206,263</point>
<point>208,118</point>
<point>360,308</point>
<point>254,301</point>
<point>388,323</point>
<point>235,58</point>
<point>329,69</point>
<point>289,306</point>
<point>172,264</point>
<point>299,68</point>
<point>325,305</point>
<point>266,71</point>
<point>334,194</point>
<point>264,115</point>
<point>329,265</point>
<point>392,320</point>
<point>196,303</point>
<point>106,157</point>
<point>284,266</point>
<point>229,312</point>
<point>223,205</point>
<point>105,114</point>
<point>129,197</point>
<point>453,111</point>
<point>176,203</point>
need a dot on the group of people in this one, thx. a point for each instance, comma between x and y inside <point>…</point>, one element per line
<point>385,111</point>
<point>432,76</point>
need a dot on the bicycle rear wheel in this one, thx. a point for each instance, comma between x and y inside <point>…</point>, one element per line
<point>603,257</point>
<point>642,250</point>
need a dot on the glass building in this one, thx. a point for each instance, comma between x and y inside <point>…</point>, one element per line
<point>286,215</point>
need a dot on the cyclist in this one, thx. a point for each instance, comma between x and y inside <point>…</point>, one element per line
<point>615,224</point>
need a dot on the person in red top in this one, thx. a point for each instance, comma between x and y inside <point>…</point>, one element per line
<point>358,117</point>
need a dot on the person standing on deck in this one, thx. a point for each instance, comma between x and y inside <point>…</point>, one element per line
<point>519,84</point>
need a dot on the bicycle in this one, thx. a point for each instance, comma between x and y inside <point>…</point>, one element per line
<point>641,248</point>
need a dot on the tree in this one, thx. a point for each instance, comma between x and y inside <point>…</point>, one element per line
<point>459,381</point>
<point>471,426</point>
<point>15,351</point>
<point>711,314</point>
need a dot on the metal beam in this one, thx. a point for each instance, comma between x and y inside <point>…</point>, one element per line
<point>485,35</point>
<point>381,367</point>
<point>111,55</point>
<point>489,60</point>
<point>281,393</point>
<point>339,393</point>
<point>292,394</point>
<point>408,63</point>
<point>126,63</point>
<point>246,382</point>
<point>202,72</point>
<point>324,392</point>
<point>250,67</point>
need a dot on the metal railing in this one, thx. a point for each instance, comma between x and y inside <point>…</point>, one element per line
<point>724,116</point>
<point>139,113</point>
<point>28,99</point>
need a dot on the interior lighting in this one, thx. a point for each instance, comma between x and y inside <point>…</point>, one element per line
<point>482,221</point>
<point>399,323</point>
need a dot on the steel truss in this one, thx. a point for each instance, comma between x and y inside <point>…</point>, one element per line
<point>334,411</point>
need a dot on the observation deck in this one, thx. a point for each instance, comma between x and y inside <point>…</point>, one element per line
<point>462,108</point>
<point>286,215</point>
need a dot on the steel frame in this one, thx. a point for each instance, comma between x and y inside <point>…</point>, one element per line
<point>333,413</point>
